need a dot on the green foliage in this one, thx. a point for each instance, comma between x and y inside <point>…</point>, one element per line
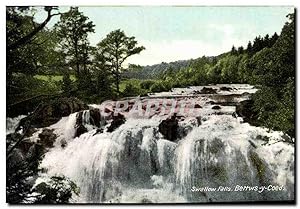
<point>131,90</point>
<point>147,84</point>
<point>72,31</point>
<point>274,69</point>
<point>158,87</point>
<point>115,49</point>
<point>67,84</point>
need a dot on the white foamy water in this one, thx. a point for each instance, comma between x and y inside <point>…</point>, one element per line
<point>12,123</point>
<point>136,164</point>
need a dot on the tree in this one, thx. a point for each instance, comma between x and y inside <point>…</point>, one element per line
<point>12,13</point>
<point>274,69</point>
<point>73,29</point>
<point>241,50</point>
<point>116,48</point>
<point>101,72</point>
<point>31,49</point>
<point>249,48</point>
<point>233,50</point>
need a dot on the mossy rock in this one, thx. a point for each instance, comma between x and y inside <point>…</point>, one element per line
<point>259,165</point>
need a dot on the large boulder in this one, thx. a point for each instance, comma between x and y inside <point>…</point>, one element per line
<point>208,91</point>
<point>216,107</point>
<point>51,112</point>
<point>79,126</point>
<point>95,117</point>
<point>245,110</point>
<point>225,88</point>
<point>47,138</point>
<point>117,121</point>
<point>169,128</point>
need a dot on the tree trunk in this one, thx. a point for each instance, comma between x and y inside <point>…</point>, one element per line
<point>77,63</point>
<point>118,82</point>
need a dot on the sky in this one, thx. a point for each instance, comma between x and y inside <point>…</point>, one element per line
<point>171,33</point>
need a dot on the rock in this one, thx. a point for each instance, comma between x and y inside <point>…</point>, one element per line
<point>169,128</point>
<point>80,130</point>
<point>210,102</point>
<point>199,120</point>
<point>107,110</point>
<point>208,91</point>
<point>217,145</point>
<point>98,131</point>
<point>79,127</point>
<point>196,92</point>
<point>51,112</point>
<point>245,110</point>
<point>252,143</point>
<point>95,117</point>
<point>246,94</point>
<point>117,121</point>
<point>47,138</point>
<point>36,151</point>
<point>216,107</point>
<point>224,88</point>
<point>287,139</point>
<point>197,106</point>
<point>25,145</point>
<point>234,114</point>
<point>12,138</point>
<point>63,143</point>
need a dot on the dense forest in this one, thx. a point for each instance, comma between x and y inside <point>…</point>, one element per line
<point>46,64</point>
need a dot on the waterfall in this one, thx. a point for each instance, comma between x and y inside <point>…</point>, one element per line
<point>219,159</point>
<point>12,123</point>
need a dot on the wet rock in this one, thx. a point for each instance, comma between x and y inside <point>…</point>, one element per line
<point>79,127</point>
<point>224,88</point>
<point>196,92</point>
<point>98,131</point>
<point>260,166</point>
<point>245,110</point>
<point>252,143</point>
<point>145,200</point>
<point>36,151</point>
<point>234,115</point>
<point>208,91</point>
<point>47,138</point>
<point>288,139</point>
<point>107,110</point>
<point>246,94</point>
<point>95,117</point>
<point>12,138</point>
<point>25,145</point>
<point>169,128</point>
<point>199,120</point>
<point>217,145</point>
<point>117,121</point>
<point>197,106</point>
<point>63,143</point>
<point>51,112</point>
<point>211,103</point>
<point>216,107</point>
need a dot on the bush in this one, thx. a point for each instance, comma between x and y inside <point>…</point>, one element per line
<point>146,84</point>
<point>158,87</point>
<point>131,90</point>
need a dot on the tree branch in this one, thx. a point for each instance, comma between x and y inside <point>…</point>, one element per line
<point>29,36</point>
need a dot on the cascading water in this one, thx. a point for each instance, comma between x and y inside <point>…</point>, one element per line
<point>217,159</point>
